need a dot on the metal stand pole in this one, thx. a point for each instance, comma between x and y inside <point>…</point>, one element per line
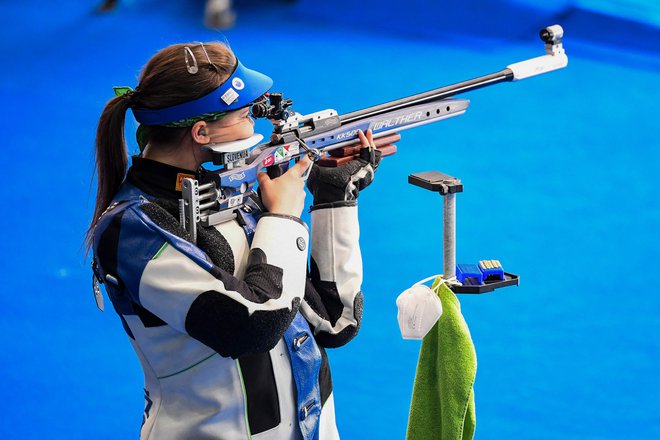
<point>447,186</point>
<point>449,237</point>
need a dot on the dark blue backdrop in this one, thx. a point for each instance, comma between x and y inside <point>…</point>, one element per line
<point>560,177</point>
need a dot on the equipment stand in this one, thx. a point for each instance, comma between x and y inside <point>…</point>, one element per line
<point>448,187</point>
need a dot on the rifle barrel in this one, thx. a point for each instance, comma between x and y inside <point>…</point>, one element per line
<point>432,95</point>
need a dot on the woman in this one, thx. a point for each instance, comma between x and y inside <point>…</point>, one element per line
<point>231,331</point>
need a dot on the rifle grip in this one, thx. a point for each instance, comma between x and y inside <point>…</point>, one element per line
<point>276,171</point>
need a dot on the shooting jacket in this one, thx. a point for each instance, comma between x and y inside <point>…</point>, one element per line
<point>230,332</point>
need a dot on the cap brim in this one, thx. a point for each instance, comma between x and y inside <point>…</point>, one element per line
<point>243,87</point>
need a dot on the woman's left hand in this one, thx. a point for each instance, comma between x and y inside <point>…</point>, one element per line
<point>343,183</point>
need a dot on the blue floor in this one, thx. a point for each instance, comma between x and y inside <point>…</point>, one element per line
<point>560,175</point>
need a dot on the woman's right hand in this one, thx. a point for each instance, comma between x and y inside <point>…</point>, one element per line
<point>285,194</point>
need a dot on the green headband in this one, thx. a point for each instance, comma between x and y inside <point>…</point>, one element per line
<point>140,135</point>
<point>189,122</point>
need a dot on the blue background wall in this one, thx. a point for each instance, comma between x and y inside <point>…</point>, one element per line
<point>560,177</point>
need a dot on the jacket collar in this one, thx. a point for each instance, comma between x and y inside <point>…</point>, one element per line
<point>158,179</point>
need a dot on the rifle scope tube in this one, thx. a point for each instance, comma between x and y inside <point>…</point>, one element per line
<point>430,96</point>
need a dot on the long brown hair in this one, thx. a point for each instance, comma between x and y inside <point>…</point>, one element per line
<point>164,82</point>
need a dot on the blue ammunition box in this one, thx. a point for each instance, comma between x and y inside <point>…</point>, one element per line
<point>471,271</point>
<point>491,270</point>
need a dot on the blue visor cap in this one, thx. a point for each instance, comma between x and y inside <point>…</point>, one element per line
<point>242,88</point>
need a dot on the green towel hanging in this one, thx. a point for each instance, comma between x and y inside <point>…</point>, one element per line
<point>442,405</point>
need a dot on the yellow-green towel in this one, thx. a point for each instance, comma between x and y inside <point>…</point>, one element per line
<point>442,405</point>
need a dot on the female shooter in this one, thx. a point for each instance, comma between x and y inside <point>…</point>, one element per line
<point>230,331</point>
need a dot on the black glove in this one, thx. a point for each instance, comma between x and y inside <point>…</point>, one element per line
<point>343,183</point>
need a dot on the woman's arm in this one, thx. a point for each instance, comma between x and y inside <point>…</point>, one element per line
<point>175,281</point>
<point>333,298</point>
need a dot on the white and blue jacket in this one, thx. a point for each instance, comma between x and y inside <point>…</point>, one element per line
<point>230,332</point>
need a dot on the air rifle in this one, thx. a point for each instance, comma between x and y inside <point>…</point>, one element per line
<point>331,139</point>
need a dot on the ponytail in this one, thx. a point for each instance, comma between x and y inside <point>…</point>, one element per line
<point>111,157</point>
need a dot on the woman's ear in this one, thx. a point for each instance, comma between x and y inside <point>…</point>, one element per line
<point>199,132</point>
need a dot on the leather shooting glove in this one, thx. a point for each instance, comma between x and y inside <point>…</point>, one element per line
<point>343,183</point>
